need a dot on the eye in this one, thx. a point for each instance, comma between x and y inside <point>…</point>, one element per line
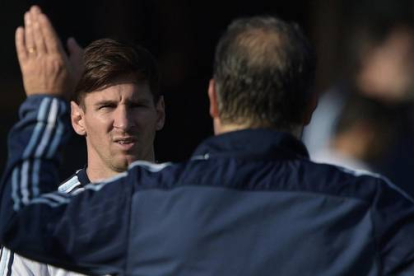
<point>106,106</point>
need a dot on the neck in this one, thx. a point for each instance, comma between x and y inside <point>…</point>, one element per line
<point>98,169</point>
<point>350,147</point>
<point>96,174</point>
<point>220,128</point>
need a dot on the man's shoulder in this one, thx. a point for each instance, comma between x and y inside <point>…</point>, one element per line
<point>303,174</point>
<point>300,175</point>
<point>361,184</point>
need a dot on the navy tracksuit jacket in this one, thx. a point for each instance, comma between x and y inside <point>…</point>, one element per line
<point>248,203</point>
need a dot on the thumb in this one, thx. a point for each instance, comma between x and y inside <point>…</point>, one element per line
<point>73,47</point>
<point>75,57</point>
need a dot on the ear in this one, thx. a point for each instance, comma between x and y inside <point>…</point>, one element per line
<point>160,107</point>
<point>77,117</point>
<point>313,103</point>
<point>212,95</point>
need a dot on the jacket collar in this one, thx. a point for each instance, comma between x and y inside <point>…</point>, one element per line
<point>252,144</point>
<point>83,176</point>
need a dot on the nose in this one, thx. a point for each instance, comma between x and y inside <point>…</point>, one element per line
<point>122,118</point>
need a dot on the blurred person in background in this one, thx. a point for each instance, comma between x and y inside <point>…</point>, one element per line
<point>361,134</point>
<point>379,65</point>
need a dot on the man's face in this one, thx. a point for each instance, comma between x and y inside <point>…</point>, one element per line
<point>119,123</point>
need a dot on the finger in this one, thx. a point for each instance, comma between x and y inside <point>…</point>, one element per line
<point>75,57</point>
<point>20,45</point>
<point>36,8</point>
<point>51,39</point>
<point>37,32</point>
<point>75,51</point>
<point>28,34</point>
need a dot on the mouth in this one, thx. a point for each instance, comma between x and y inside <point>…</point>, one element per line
<point>125,143</point>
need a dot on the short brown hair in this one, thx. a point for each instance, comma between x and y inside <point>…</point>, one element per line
<point>106,60</point>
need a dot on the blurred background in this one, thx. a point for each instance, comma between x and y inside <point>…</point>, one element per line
<point>365,74</point>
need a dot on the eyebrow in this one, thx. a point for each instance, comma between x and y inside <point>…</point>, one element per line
<point>129,101</point>
<point>104,102</point>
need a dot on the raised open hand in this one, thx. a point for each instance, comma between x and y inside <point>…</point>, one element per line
<point>45,67</point>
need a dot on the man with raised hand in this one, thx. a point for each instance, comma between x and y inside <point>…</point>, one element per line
<point>249,202</point>
<point>117,107</point>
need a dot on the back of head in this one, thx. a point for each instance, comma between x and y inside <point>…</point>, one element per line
<point>106,61</point>
<point>364,124</point>
<point>360,109</point>
<point>264,72</point>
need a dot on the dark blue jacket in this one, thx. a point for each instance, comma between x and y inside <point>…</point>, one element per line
<point>248,203</point>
